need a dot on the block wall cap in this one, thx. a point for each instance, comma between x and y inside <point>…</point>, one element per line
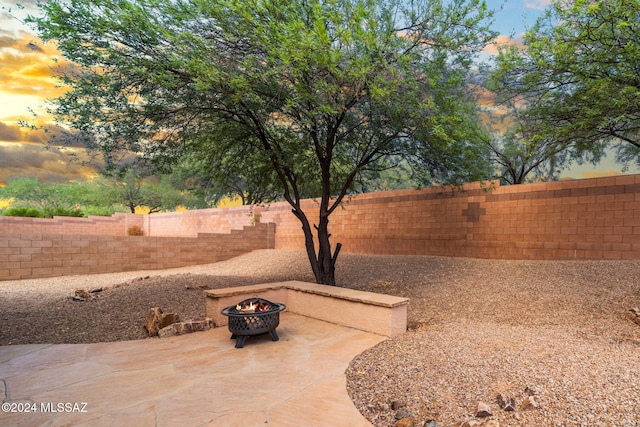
<point>313,288</point>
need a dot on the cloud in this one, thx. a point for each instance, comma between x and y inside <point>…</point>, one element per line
<point>50,165</point>
<point>10,133</point>
<point>28,66</point>
<point>13,15</point>
<point>41,133</point>
<point>502,40</point>
<point>537,4</point>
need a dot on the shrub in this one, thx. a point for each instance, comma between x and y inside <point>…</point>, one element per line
<point>50,213</point>
<point>23,212</point>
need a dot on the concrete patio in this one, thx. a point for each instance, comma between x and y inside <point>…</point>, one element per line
<point>198,379</point>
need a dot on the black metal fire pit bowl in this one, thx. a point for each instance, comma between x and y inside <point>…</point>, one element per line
<point>243,324</point>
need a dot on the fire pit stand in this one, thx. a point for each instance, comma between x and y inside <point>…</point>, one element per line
<point>253,316</point>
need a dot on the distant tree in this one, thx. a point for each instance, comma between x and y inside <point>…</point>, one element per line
<point>521,150</point>
<point>154,194</point>
<point>325,90</point>
<point>31,192</point>
<point>233,170</point>
<point>580,62</point>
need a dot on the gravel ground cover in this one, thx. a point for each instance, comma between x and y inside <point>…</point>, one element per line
<point>552,332</point>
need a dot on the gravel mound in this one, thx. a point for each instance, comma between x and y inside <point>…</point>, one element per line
<point>556,331</point>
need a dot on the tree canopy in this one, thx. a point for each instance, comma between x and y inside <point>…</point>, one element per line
<point>321,91</point>
<point>580,62</point>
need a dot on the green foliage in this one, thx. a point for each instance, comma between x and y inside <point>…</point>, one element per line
<point>23,212</point>
<point>45,213</point>
<point>101,196</point>
<point>153,193</point>
<point>315,96</point>
<point>33,193</point>
<point>60,211</point>
<point>578,74</point>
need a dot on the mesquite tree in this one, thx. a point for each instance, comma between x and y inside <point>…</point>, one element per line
<point>324,90</point>
<point>580,67</point>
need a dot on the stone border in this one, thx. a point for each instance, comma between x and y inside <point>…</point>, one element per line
<point>367,311</point>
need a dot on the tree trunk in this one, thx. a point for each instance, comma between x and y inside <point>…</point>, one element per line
<point>323,263</point>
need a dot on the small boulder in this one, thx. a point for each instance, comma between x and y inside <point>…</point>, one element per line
<point>179,328</point>
<point>529,402</point>
<point>397,404</point>
<point>403,413</point>
<point>483,410</point>
<point>405,422</point>
<point>82,295</point>
<point>157,320</point>
<point>506,402</point>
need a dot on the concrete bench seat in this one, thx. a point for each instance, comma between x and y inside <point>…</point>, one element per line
<point>367,311</point>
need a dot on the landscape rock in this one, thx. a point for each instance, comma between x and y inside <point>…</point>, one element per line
<point>397,404</point>
<point>403,413</point>
<point>180,328</point>
<point>405,422</point>
<point>491,423</point>
<point>157,320</point>
<point>634,315</point>
<point>529,403</point>
<point>82,295</point>
<point>198,287</point>
<point>470,423</point>
<point>483,410</point>
<point>506,402</point>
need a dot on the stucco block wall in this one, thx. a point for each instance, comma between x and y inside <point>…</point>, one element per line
<point>25,256</point>
<point>580,219</point>
<point>116,225</point>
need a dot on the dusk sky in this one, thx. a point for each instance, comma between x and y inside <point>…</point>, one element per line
<point>25,83</point>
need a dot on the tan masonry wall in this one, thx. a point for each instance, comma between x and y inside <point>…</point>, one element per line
<point>116,225</point>
<point>580,219</point>
<point>25,256</point>
<point>367,311</point>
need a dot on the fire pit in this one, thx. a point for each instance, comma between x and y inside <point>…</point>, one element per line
<point>253,316</point>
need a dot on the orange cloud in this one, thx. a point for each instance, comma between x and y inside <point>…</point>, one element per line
<point>41,134</point>
<point>27,66</point>
<point>20,160</point>
<point>502,40</point>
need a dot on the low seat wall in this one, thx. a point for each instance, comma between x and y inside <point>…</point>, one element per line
<point>381,314</point>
